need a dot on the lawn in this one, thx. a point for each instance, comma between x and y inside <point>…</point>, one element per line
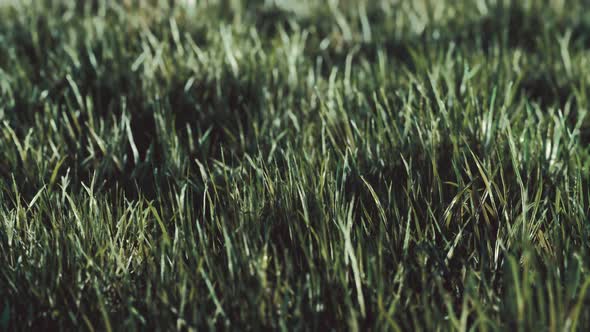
<point>295,165</point>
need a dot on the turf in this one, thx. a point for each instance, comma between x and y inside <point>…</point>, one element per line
<point>295,165</point>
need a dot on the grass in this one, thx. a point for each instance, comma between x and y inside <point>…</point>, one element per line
<point>248,165</point>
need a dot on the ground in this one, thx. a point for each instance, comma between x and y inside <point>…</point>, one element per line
<point>248,165</point>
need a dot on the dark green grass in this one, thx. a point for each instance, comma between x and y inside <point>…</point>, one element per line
<point>384,165</point>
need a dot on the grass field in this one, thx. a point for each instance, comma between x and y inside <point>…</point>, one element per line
<point>295,165</point>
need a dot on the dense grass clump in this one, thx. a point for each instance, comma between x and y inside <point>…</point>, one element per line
<point>295,165</point>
